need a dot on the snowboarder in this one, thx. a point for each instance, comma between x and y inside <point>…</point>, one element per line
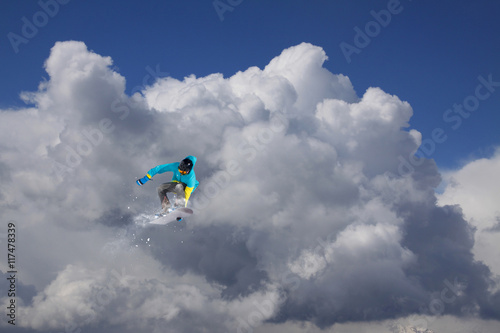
<point>183,182</point>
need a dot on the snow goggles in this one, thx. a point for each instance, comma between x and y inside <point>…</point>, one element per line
<point>183,172</point>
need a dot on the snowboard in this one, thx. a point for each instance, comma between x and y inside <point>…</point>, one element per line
<point>174,215</point>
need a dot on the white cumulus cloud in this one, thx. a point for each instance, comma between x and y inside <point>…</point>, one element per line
<point>476,188</point>
<point>302,213</point>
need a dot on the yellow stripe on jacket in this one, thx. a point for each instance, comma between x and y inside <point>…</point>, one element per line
<point>187,193</point>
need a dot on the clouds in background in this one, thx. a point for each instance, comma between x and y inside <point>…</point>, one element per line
<point>476,188</point>
<point>302,213</point>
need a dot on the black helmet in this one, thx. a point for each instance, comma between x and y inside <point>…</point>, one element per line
<point>186,165</point>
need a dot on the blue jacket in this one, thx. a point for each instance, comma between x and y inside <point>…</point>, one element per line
<point>189,179</point>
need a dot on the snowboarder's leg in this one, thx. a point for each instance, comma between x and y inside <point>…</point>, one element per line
<point>180,194</point>
<point>165,205</point>
<point>163,189</point>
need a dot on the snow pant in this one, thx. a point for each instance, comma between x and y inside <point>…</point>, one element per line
<point>173,187</point>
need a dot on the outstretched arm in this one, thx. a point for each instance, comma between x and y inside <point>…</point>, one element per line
<point>163,168</point>
<point>143,180</point>
<point>156,170</point>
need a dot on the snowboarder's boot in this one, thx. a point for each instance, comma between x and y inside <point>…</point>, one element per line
<point>179,203</point>
<point>165,205</point>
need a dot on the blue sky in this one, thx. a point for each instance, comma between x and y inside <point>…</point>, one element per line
<point>429,54</point>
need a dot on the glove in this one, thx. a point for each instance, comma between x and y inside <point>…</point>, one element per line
<point>143,180</point>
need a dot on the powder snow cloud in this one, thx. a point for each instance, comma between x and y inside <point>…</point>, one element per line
<point>302,213</point>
